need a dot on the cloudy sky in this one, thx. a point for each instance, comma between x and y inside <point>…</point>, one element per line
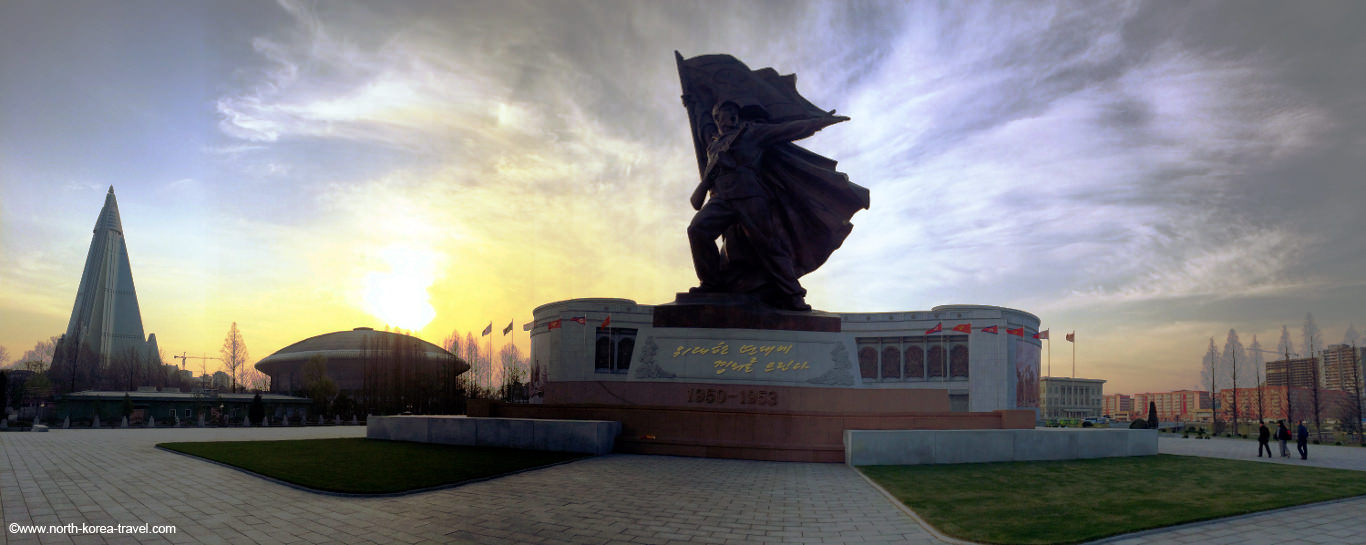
<point>1150,175</point>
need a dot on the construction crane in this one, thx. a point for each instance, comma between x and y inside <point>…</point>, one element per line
<point>183,356</point>
<point>1264,351</point>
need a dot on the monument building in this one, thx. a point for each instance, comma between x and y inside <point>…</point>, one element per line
<point>582,348</point>
<point>740,366</point>
<point>361,362</point>
<point>105,324</point>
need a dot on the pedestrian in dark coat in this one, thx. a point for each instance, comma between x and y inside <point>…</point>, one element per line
<point>1303,441</point>
<point>1263,438</point>
<point>1283,435</point>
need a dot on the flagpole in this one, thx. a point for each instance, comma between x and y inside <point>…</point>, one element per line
<point>1074,354</point>
<point>1050,355</point>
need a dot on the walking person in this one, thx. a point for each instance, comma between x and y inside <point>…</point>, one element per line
<point>1302,441</point>
<point>1263,438</point>
<point>1283,435</point>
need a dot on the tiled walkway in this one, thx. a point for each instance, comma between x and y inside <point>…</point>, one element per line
<point>116,476</point>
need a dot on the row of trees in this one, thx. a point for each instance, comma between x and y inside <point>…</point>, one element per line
<point>57,366</point>
<point>398,376</point>
<point>1237,367</point>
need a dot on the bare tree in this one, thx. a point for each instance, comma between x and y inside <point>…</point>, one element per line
<point>42,351</point>
<point>1233,348</point>
<point>317,384</point>
<point>1351,339</point>
<point>1313,339</point>
<point>1210,376</point>
<point>481,369</point>
<point>4,356</point>
<point>254,379</point>
<point>234,353</point>
<point>1286,347</point>
<point>127,368</point>
<point>1258,363</point>
<point>514,373</point>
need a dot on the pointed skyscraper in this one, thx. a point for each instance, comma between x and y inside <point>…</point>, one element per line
<point>106,317</point>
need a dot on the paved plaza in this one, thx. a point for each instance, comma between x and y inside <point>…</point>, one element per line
<point>118,477</point>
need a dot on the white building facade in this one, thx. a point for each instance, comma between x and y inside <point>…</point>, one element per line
<point>984,356</point>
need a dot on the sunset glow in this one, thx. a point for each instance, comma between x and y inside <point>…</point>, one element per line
<point>1136,172</point>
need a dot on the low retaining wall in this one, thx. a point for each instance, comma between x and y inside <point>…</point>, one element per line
<point>753,434</point>
<point>589,436</point>
<point>914,447</point>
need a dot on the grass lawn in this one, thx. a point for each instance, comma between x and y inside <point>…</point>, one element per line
<point>1080,500</point>
<point>369,466</point>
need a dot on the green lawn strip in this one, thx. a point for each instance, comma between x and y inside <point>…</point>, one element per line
<point>369,466</point>
<point>1081,500</point>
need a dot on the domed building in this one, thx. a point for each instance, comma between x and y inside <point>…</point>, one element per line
<point>386,372</point>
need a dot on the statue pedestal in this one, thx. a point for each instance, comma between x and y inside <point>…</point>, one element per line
<point>738,311</point>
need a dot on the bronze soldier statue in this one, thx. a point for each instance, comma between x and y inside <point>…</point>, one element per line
<point>734,159</point>
<point>780,210</point>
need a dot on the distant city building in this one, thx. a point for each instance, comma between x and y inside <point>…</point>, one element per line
<point>1175,406</point>
<point>1061,397</point>
<point>1118,406</point>
<point>105,324</point>
<point>1342,369</point>
<point>1295,373</point>
<point>221,381</point>
<point>1285,403</point>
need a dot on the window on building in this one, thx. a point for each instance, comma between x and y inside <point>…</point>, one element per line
<point>612,349</point>
<point>602,355</point>
<point>915,363</point>
<point>624,348</point>
<point>867,362</point>
<point>958,361</point>
<point>935,363</point>
<point>891,362</point>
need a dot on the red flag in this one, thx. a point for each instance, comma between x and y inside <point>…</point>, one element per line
<point>580,319</point>
<point>554,324</point>
<point>1041,335</point>
<point>1018,332</point>
<point>606,321</point>
<point>936,329</point>
<point>963,328</point>
<point>991,329</point>
<point>1072,337</point>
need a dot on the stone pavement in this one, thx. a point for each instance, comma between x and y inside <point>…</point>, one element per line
<point>1351,457</point>
<point>117,477</point>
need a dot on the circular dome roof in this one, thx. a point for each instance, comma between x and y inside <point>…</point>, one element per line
<point>358,344</point>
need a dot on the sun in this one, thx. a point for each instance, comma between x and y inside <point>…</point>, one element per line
<point>398,296</point>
